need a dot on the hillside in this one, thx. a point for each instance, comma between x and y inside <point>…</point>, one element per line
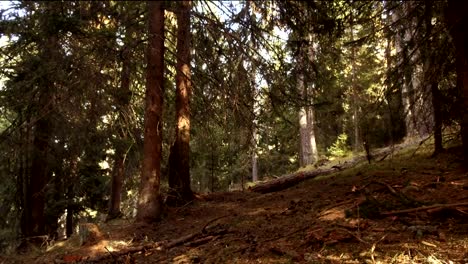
<point>352,216</point>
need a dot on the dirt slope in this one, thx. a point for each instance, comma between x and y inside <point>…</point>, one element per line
<point>340,218</point>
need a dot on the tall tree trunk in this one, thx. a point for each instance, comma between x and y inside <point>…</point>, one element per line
<point>149,200</point>
<point>457,19</point>
<point>310,108</point>
<point>388,73</point>
<point>179,158</point>
<point>34,222</point>
<point>35,192</point>
<point>304,156</point>
<point>355,93</point>
<point>401,40</point>
<point>123,102</point>
<point>430,82</point>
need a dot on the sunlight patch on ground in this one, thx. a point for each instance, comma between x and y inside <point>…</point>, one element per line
<point>332,214</point>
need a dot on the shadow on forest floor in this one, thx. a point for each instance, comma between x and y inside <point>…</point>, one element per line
<point>352,216</point>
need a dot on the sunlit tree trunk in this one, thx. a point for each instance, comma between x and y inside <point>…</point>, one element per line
<point>310,108</point>
<point>179,159</point>
<point>457,19</point>
<point>311,130</point>
<point>304,155</point>
<point>123,103</point>
<point>308,147</point>
<point>149,200</point>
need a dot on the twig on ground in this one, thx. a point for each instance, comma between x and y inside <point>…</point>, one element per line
<point>420,144</point>
<point>375,245</point>
<point>211,221</point>
<point>423,208</point>
<point>200,241</point>
<point>110,253</point>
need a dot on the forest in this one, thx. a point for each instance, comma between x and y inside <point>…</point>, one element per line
<point>206,131</point>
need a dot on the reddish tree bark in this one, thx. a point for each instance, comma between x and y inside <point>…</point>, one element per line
<point>179,158</point>
<point>149,201</point>
<point>457,19</point>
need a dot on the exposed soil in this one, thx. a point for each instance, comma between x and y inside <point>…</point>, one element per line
<point>350,216</point>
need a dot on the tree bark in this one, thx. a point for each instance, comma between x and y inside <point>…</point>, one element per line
<point>34,204</point>
<point>401,40</point>
<point>457,19</point>
<point>304,148</point>
<point>310,108</point>
<point>149,200</point>
<point>430,82</point>
<point>438,146</point>
<point>355,93</point>
<point>35,192</point>
<point>179,158</point>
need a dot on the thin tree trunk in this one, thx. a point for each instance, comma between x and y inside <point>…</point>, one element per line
<point>179,158</point>
<point>22,178</point>
<point>254,155</point>
<point>392,131</point>
<point>70,195</point>
<point>123,102</point>
<point>149,200</point>
<point>304,156</point>
<point>432,88</point>
<point>438,147</point>
<point>355,97</point>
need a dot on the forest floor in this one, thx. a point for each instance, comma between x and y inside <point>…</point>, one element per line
<point>352,216</point>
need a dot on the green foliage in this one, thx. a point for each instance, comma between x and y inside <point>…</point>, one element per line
<point>340,148</point>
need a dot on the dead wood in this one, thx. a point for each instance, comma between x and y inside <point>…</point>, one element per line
<point>200,241</point>
<point>201,237</point>
<point>423,208</point>
<point>290,180</point>
<point>211,221</point>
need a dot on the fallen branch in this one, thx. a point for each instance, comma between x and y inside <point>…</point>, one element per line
<point>200,241</point>
<point>211,221</point>
<point>201,236</point>
<point>290,180</point>
<point>423,208</point>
